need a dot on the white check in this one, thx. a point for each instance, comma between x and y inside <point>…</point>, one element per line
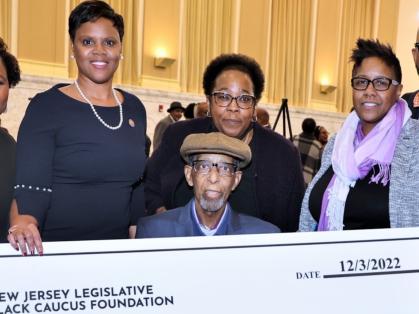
<point>326,272</point>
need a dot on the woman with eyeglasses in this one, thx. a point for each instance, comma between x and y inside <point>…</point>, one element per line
<point>272,185</point>
<point>80,148</point>
<point>369,176</point>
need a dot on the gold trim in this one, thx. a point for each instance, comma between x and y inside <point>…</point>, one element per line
<point>41,68</point>
<point>159,83</point>
<point>328,106</point>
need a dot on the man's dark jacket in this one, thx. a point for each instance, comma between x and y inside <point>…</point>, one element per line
<point>179,222</point>
<point>277,177</point>
<point>409,97</point>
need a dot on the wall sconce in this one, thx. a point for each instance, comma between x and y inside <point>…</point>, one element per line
<point>327,88</point>
<point>163,62</point>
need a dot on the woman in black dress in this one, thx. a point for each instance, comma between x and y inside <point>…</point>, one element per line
<point>80,146</point>
<point>9,77</point>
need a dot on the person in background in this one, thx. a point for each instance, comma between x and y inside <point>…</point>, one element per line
<point>189,111</point>
<point>321,134</point>
<point>369,176</point>
<point>201,110</point>
<point>80,147</point>
<point>309,148</point>
<point>272,185</point>
<point>413,98</point>
<point>213,163</point>
<point>175,114</point>
<point>9,77</point>
<point>262,117</point>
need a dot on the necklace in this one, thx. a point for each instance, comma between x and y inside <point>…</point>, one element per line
<point>121,117</point>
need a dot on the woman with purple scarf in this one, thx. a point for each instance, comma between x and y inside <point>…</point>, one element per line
<point>369,177</point>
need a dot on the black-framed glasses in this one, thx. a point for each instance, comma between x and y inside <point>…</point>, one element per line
<point>379,83</point>
<point>243,101</point>
<point>417,46</point>
<point>224,169</point>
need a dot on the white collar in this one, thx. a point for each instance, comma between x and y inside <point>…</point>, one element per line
<point>204,229</point>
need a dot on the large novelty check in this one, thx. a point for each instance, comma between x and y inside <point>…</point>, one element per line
<point>328,272</point>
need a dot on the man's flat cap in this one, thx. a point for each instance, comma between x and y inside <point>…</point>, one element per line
<point>216,143</point>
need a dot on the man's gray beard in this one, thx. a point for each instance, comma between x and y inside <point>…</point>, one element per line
<point>211,205</point>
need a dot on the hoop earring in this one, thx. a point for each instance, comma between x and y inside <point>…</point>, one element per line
<point>209,114</point>
<point>254,119</point>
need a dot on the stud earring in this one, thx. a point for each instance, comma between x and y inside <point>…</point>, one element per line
<point>121,57</point>
<point>72,56</point>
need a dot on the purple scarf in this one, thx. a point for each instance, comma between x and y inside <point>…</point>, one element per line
<point>353,157</point>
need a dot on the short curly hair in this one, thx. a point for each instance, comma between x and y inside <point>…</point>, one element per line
<point>238,62</point>
<point>11,64</point>
<point>91,11</point>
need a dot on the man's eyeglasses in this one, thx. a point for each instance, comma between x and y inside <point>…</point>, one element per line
<point>224,100</point>
<point>417,46</point>
<point>224,169</point>
<point>379,83</point>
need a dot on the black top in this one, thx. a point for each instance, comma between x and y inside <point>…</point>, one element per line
<point>366,205</point>
<point>86,169</point>
<point>248,205</point>
<point>7,178</point>
<point>409,97</point>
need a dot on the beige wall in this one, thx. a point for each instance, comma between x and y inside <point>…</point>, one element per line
<point>297,43</point>
<point>407,26</point>
<point>5,20</point>
<point>326,53</point>
<point>254,30</point>
<point>161,32</point>
<point>41,37</point>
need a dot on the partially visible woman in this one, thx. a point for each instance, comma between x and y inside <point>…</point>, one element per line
<point>369,176</point>
<point>9,77</point>
<point>272,185</point>
<point>80,146</point>
<point>321,134</point>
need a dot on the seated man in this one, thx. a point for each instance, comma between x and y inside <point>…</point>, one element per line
<point>212,169</point>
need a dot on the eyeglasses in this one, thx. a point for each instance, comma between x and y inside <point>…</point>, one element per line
<point>224,169</point>
<point>224,100</point>
<point>417,46</point>
<point>379,83</point>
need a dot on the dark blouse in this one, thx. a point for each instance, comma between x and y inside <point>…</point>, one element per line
<point>74,175</point>
<point>366,206</point>
<point>7,179</point>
